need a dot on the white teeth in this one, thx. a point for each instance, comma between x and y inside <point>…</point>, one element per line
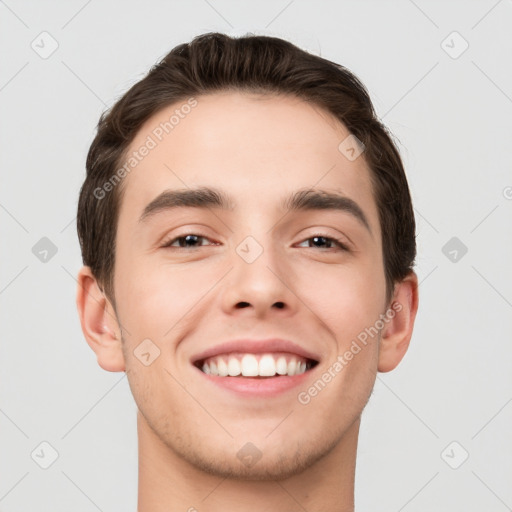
<point>267,366</point>
<point>234,367</point>
<point>281,366</point>
<point>251,365</point>
<point>222,367</point>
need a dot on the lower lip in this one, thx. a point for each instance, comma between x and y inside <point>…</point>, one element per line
<point>259,387</point>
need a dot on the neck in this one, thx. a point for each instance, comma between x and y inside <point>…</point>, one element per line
<point>168,482</point>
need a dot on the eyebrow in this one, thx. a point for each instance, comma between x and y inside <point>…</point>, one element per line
<point>208,197</point>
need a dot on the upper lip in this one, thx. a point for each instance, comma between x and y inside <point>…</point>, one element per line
<point>249,346</point>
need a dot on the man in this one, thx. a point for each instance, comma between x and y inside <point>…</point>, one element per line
<point>248,240</point>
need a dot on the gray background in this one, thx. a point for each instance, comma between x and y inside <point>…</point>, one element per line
<point>451,112</point>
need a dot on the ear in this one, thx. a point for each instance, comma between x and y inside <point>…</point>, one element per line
<point>397,332</point>
<point>99,322</point>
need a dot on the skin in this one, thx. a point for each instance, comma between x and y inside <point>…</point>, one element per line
<point>258,149</point>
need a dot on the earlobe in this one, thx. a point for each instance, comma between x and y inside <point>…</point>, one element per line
<point>397,333</point>
<point>98,322</point>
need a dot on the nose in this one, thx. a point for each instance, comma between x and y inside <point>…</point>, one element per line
<point>260,283</point>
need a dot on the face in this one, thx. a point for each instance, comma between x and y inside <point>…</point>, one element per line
<point>292,288</point>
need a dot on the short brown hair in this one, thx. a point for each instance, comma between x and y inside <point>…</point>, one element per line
<point>216,62</point>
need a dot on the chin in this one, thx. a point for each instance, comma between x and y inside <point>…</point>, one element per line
<point>252,464</point>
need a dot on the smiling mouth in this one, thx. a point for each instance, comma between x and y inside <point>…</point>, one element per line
<point>263,365</point>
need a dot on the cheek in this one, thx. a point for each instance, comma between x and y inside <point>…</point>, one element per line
<point>347,297</point>
<point>151,307</point>
<point>153,297</point>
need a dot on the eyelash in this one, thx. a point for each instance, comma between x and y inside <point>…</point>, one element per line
<point>168,245</point>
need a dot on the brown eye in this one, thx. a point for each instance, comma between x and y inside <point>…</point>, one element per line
<point>188,241</point>
<point>320,240</point>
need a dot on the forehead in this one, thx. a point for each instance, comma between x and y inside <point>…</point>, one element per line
<point>259,148</point>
